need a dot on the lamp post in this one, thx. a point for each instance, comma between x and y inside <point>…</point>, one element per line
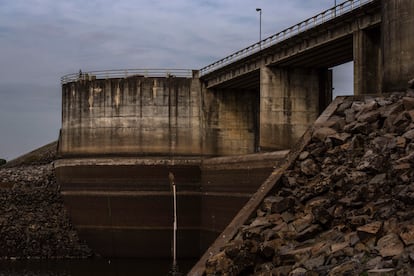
<point>260,25</point>
<point>335,8</point>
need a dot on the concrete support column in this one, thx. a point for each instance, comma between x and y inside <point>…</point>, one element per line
<point>397,44</point>
<point>367,62</point>
<point>230,121</point>
<point>289,103</point>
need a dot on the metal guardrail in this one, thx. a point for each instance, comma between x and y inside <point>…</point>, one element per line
<point>305,25</point>
<point>125,73</point>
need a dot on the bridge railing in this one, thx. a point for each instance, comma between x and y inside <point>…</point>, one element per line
<point>124,73</point>
<point>303,26</point>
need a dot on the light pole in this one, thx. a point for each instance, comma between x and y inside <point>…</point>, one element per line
<point>335,8</point>
<point>260,25</point>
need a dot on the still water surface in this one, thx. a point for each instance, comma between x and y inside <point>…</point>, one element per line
<point>98,267</point>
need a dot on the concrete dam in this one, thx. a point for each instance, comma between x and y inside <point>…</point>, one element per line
<point>221,130</point>
<point>120,139</point>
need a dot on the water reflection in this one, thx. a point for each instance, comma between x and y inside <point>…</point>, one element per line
<point>98,267</point>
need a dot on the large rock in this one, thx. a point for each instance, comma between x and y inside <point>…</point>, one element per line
<point>323,132</point>
<point>309,167</point>
<point>283,205</point>
<point>408,103</point>
<point>371,162</point>
<point>347,268</point>
<point>382,272</point>
<point>371,230</point>
<point>390,245</point>
<point>407,234</point>
<point>369,117</point>
<point>220,265</point>
<point>409,134</point>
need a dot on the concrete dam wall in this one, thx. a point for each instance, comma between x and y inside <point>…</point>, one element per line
<point>154,116</point>
<point>120,139</point>
<point>136,115</point>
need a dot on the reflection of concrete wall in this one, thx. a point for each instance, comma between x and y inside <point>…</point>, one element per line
<point>122,206</point>
<point>136,115</point>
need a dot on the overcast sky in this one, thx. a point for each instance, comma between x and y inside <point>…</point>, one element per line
<point>41,40</point>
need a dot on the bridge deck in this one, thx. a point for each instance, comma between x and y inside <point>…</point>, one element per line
<point>313,43</point>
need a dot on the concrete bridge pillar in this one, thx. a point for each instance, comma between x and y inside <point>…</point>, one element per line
<point>230,121</point>
<point>290,100</point>
<point>397,44</point>
<point>367,61</point>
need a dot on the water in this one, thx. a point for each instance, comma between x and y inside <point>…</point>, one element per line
<point>98,267</point>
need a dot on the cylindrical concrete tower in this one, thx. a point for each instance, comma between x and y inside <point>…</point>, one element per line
<point>397,44</point>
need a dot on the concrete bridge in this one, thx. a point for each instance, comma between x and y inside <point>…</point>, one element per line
<point>326,40</point>
<point>217,129</point>
<point>290,74</point>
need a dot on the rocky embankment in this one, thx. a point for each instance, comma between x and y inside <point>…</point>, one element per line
<point>33,221</point>
<point>344,207</point>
